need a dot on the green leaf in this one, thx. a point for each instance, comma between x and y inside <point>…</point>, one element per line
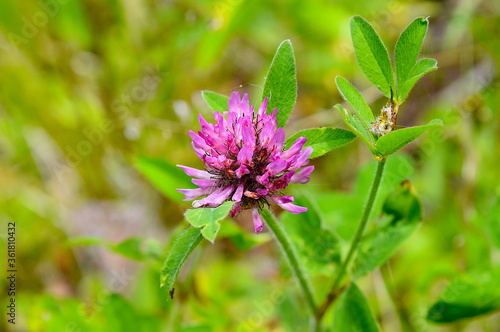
<point>281,83</point>
<point>216,101</point>
<point>322,140</point>
<point>467,296</point>
<point>316,245</point>
<point>404,211</point>
<point>355,99</point>
<point>420,69</point>
<point>164,176</point>
<point>208,219</point>
<point>406,53</point>
<point>352,313</point>
<point>408,47</point>
<point>182,246</point>
<point>358,126</point>
<point>372,55</point>
<point>395,140</point>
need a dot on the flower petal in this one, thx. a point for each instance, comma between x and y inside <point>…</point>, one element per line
<point>295,148</point>
<point>234,102</point>
<point>216,198</point>
<point>199,152</point>
<point>257,221</point>
<point>263,179</point>
<point>282,199</point>
<point>277,167</point>
<point>238,193</point>
<point>204,184</point>
<point>205,126</point>
<point>248,133</point>
<point>267,132</point>
<point>295,209</point>
<point>302,176</point>
<point>278,139</point>
<point>245,105</point>
<point>262,192</point>
<point>198,141</point>
<point>193,193</point>
<point>242,170</point>
<point>263,107</point>
<point>281,182</point>
<point>236,209</point>
<point>302,159</point>
<point>284,203</point>
<point>245,155</point>
<point>195,173</point>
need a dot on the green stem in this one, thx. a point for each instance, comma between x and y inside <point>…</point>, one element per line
<point>291,255</point>
<point>335,290</point>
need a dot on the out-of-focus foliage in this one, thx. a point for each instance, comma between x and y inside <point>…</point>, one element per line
<point>88,88</point>
<point>353,313</point>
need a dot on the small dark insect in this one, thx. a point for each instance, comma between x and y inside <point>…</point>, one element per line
<point>172,293</point>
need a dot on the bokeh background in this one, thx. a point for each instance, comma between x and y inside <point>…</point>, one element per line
<point>87,87</point>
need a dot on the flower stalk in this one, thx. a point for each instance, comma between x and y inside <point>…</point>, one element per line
<point>291,256</point>
<point>337,288</point>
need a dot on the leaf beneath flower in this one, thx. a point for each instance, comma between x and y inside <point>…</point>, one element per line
<point>208,219</point>
<point>182,246</point>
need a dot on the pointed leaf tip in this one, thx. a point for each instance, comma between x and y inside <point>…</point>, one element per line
<point>372,55</point>
<point>408,69</point>
<point>280,85</point>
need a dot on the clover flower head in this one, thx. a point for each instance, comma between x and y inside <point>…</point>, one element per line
<point>245,161</point>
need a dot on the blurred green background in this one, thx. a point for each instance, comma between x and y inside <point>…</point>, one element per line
<point>88,87</point>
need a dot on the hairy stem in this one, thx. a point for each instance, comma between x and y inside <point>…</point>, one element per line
<point>337,289</point>
<point>291,255</point>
